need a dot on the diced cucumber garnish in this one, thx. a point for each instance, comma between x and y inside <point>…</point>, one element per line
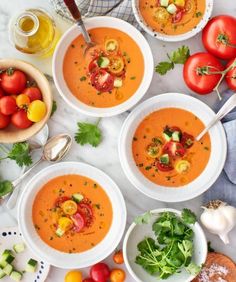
<point>31,265</point>
<point>19,248</point>
<point>8,269</point>
<point>77,197</point>
<point>60,232</point>
<point>176,136</point>
<point>171,9</point>
<point>16,276</point>
<point>118,82</point>
<point>7,256</point>
<point>2,274</point>
<point>164,159</point>
<point>103,62</point>
<point>3,263</point>
<point>164,3</point>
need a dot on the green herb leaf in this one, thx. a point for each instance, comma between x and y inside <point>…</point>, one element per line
<point>54,108</point>
<point>209,247</point>
<point>188,216</point>
<point>20,152</point>
<point>193,269</point>
<point>163,67</point>
<point>5,187</point>
<point>88,134</point>
<point>180,56</point>
<point>143,219</point>
<point>83,78</point>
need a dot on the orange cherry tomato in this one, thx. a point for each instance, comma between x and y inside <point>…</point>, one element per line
<point>22,101</point>
<point>117,275</point>
<point>118,257</point>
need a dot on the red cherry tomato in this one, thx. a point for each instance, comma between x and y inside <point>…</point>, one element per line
<point>187,140</point>
<point>1,93</point>
<point>174,149</point>
<point>20,120</point>
<point>100,272</point>
<point>78,221</point>
<point>8,105</point>
<point>164,167</point>
<point>195,72</point>
<point>219,37</point>
<point>102,80</point>
<point>175,128</point>
<point>231,76</point>
<point>87,212</point>
<point>4,120</point>
<point>93,65</point>
<point>33,93</point>
<point>61,200</point>
<point>13,81</point>
<point>88,280</point>
<point>177,17</point>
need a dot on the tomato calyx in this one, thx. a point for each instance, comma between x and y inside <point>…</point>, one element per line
<point>224,39</point>
<point>10,71</point>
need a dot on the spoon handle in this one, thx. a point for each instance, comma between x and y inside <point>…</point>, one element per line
<point>224,110</point>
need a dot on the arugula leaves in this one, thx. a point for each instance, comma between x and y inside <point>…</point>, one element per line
<point>5,187</point>
<point>88,134</point>
<point>173,248</point>
<point>178,56</point>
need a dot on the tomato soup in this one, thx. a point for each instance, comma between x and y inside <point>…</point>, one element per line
<point>72,213</point>
<point>164,148</point>
<point>109,73</point>
<point>172,17</point>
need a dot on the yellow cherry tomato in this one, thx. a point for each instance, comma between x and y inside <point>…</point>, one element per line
<point>161,15</point>
<point>153,150</point>
<point>73,276</point>
<point>116,64</point>
<point>118,257</point>
<point>69,207</point>
<point>182,166</point>
<point>179,3</point>
<point>36,110</point>
<point>22,101</point>
<point>117,275</point>
<point>65,223</point>
<point>111,45</point>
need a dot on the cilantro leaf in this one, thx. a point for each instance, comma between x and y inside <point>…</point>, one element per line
<point>163,67</point>
<point>143,219</point>
<point>188,216</point>
<point>20,152</point>
<point>54,108</point>
<point>193,269</point>
<point>5,187</point>
<point>88,134</point>
<point>180,56</point>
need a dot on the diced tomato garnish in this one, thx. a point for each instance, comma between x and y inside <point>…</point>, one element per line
<point>61,200</point>
<point>102,80</point>
<point>178,16</point>
<point>175,128</point>
<point>174,149</point>
<point>79,222</point>
<point>163,167</point>
<point>187,140</point>
<point>93,66</point>
<point>87,212</point>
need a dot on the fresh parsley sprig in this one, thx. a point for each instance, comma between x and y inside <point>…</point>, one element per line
<point>5,187</point>
<point>178,56</point>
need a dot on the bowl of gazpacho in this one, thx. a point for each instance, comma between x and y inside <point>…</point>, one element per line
<point>159,153</point>
<point>172,20</point>
<point>110,77</point>
<point>72,215</point>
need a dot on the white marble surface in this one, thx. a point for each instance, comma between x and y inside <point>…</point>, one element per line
<point>65,119</point>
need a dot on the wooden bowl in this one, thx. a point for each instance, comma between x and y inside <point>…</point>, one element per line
<point>11,134</point>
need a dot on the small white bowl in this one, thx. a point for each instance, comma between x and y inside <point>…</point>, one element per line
<point>74,32</point>
<point>203,181</point>
<point>136,233</point>
<point>173,38</point>
<point>53,256</point>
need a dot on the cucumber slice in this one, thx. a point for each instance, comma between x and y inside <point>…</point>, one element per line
<point>31,265</point>
<point>118,82</point>
<point>19,248</point>
<point>3,263</point>
<point>60,232</point>
<point>77,197</point>
<point>164,159</point>
<point>167,134</point>
<point>164,3</point>
<point>176,136</point>
<point>172,9</point>
<point>8,269</point>
<point>103,62</point>
<point>2,274</point>
<point>16,276</point>
<point>7,256</point>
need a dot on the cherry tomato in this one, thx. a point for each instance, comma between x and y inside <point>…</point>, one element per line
<point>102,80</point>
<point>219,37</point>
<point>187,140</point>
<point>100,272</point>
<point>61,200</point>
<point>87,212</point>
<point>8,105</point>
<point>73,276</point>
<point>118,257</point>
<point>116,65</point>
<point>13,81</point>
<point>69,207</point>
<point>1,93</point>
<point>22,101</point>
<point>36,110</point>
<point>174,149</point>
<point>231,76</point>
<point>20,120</point>
<point>163,167</point>
<point>4,121</point>
<point>161,15</point>
<point>78,221</point>
<point>199,72</point>
<point>88,280</point>
<point>177,17</point>
<point>175,128</point>
<point>117,275</point>
<point>93,65</point>
<point>33,92</point>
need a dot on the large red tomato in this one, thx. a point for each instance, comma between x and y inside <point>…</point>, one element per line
<point>231,76</point>
<point>219,37</point>
<point>199,72</point>
<point>13,81</point>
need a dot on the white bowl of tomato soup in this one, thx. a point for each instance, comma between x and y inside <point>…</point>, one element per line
<point>172,20</point>
<point>72,215</point>
<point>158,151</point>
<point>109,78</point>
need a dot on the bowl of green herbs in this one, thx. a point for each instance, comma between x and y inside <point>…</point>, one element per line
<point>165,244</point>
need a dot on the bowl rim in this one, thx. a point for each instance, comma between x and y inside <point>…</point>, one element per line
<point>173,38</point>
<point>156,212</point>
<point>62,259</point>
<point>110,22</point>
<point>133,176</point>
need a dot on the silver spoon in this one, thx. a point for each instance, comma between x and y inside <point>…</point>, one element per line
<point>224,110</point>
<point>53,151</point>
<point>74,10</point>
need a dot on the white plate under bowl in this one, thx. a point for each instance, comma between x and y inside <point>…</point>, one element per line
<point>136,233</point>
<point>173,38</point>
<point>53,256</point>
<point>206,178</point>
<point>10,236</point>
<point>58,59</point>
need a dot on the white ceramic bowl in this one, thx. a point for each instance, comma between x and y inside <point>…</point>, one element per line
<point>47,253</point>
<point>137,233</point>
<point>202,182</point>
<point>173,38</point>
<point>62,47</point>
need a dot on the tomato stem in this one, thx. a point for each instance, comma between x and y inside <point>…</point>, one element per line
<point>224,39</point>
<point>4,149</point>
<point>98,121</point>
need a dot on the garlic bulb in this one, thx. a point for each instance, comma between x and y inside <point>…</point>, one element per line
<point>219,218</point>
